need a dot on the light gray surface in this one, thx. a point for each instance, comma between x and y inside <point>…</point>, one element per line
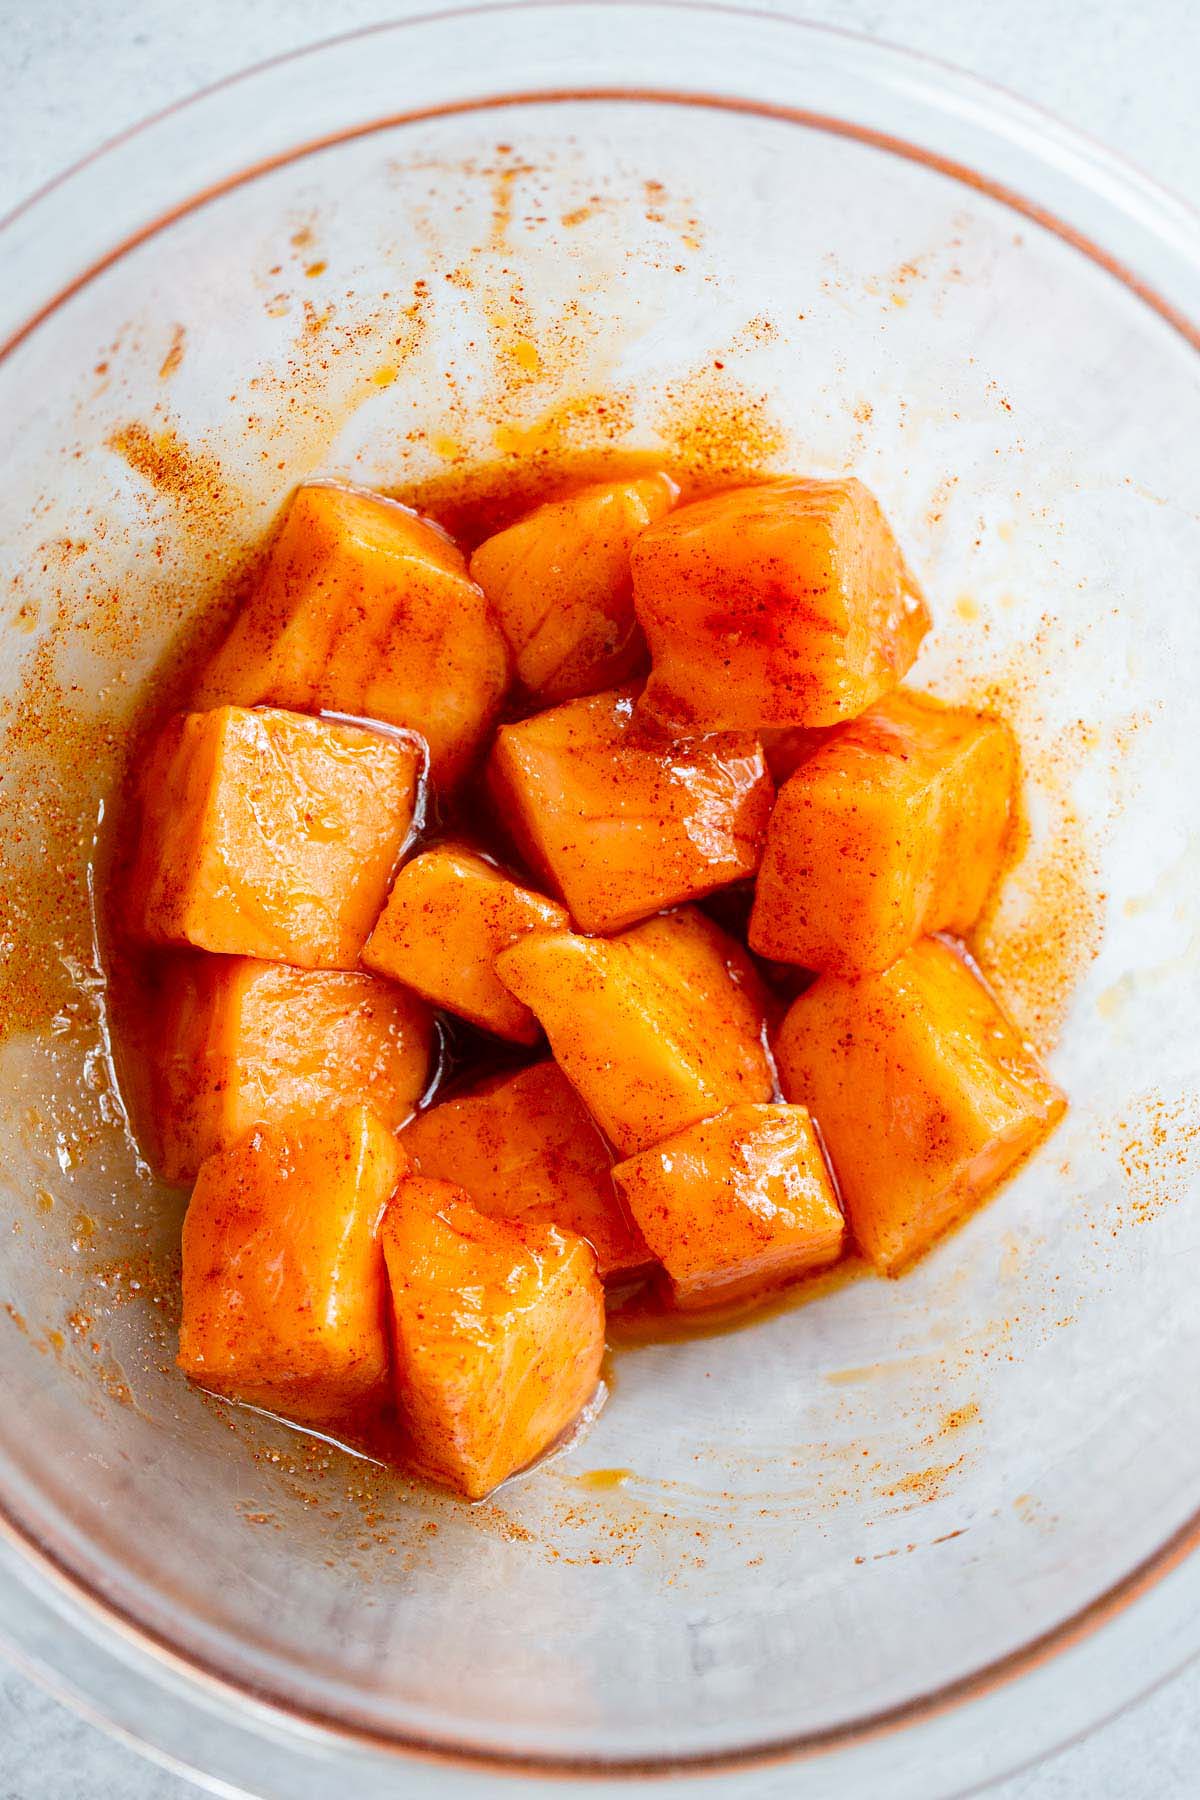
<point>76,71</point>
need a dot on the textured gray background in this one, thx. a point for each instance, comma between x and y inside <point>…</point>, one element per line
<point>73,72</point>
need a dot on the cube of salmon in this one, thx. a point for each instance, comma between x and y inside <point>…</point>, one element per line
<point>559,583</point>
<point>894,828</point>
<point>244,1043</point>
<point>363,607</point>
<point>620,823</point>
<point>524,1146</point>
<point>449,915</point>
<point>697,957</point>
<point>656,1028</point>
<point>265,833</point>
<point>925,1094</point>
<point>787,603</point>
<point>284,1289</point>
<point>736,1205</point>
<point>498,1334</point>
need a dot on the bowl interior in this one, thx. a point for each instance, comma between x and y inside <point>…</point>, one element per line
<point>861,1498</point>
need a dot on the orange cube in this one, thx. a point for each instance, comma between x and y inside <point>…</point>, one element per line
<point>893,829</point>
<point>925,1094</point>
<point>559,583</point>
<point>498,1331</point>
<point>656,1028</point>
<point>364,608</point>
<point>525,1147</point>
<point>788,603</point>
<point>621,823</point>
<point>246,1043</point>
<point>284,1291</point>
<point>449,915</point>
<point>736,1205</point>
<point>265,833</point>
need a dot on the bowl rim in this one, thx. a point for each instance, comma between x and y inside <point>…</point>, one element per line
<point>1166,212</point>
<point>1161,214</point>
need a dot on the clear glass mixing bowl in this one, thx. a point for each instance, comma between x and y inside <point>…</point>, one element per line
<point>899,1538</point>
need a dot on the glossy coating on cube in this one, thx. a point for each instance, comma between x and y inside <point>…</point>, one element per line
<point>736,1205</point>
<point>621,821</point>
<point>559,583</point>
<point>244,1042</point>
<point>656,1028</point>
<point>925,1094</point>
<point>363,607</point>
<point>785,603</point>
<point>895,827</point>
<point>524,1146</point>
<point>270,834</point>
<point>498,1334</point>
<point>284,1296</point>
<point>448,916</point>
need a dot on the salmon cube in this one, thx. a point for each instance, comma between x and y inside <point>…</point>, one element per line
<point>788,603</point>
<point>656,1028</point>
<point>365,608</point>
<point>696,956</point>
<point>450,914</point>
<point>265,833</point>
<point>924,1092</point>
<point>893,829</point>
<point>620,823</point>
<point>524,1146</point>
<point>498,1333</point>
<point>736,1205</point>
<point>284,1289</point>
<point>559,583</point>
<point>244,1043</point>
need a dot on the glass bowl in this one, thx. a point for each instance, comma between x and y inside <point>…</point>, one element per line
<point>900,1537</point>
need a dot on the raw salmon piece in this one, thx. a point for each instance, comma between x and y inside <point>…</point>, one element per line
<point>559,583</point>
<point>525,1147</point>
<point>449,915</point>
<point>736,1205</point>
<point>363,607</point>
<point>656,1028</point>
<point>498,1334</point>
<point>268,834</point>
<point>787,603</point>
<point>244,1043</point>
<point>621,822</point>
<point>894,828</point>
<point>284,1290</point>
<point>925,1094</point>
